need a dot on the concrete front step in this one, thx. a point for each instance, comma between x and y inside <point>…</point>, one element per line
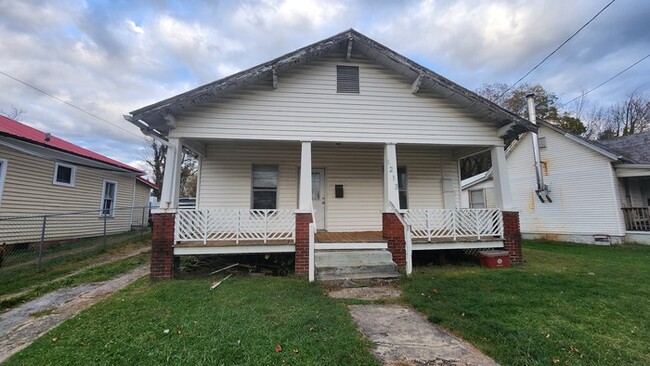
<point>354,264</point>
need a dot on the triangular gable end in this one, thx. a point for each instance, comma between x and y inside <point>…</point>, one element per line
<point>155,118</point>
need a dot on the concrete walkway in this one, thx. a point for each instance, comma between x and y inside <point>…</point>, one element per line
<point>18,329</point>
<point>404,337</point>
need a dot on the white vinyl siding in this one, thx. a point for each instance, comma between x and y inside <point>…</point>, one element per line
<point>226,177</point>
<point>585,199</point>
<point>26,173</point>
<point>306,106</point>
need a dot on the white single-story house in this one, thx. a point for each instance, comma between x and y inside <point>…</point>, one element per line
<point>599,190</point>
<point>342,146</point>
<point>41,174</point>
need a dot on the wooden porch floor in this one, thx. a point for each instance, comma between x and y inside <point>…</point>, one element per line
<point>350,237</point>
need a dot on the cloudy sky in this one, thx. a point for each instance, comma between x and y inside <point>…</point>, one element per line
<point>111,57</point>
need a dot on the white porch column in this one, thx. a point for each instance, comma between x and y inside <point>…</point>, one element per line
<point>501,179</point>
<point>391,188</point>
<point>304,203</point>
<point>172,175</point>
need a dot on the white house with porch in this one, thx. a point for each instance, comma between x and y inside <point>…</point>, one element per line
<point>342,152</point>
<point>599,190</point>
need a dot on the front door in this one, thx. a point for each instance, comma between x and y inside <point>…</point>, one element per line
<point>318,196</point>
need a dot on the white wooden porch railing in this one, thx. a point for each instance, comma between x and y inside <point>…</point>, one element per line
<point>637,218</point>
<point>454,223</point>
<point>237,225</point>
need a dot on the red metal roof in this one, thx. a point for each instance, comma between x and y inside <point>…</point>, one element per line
<point>147,182</point>
<point>21,131</point>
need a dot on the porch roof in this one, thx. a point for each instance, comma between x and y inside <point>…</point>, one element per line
<point>157,118</point>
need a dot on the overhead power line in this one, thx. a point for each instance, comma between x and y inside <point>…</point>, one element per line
<point>555,50</point>
<point>68,103</point>
<point>606,81</point>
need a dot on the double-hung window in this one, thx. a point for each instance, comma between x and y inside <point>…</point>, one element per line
<point>64,174</point>
<point>109,194</point>
<point>477,198</point>
<point>264,187</point>
<point>3,173</point>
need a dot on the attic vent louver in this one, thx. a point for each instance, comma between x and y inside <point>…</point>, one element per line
<point>347,79</point>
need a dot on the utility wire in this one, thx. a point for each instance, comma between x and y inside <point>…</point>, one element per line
<point>606,81</point>
<point>68,103</point>
<point>554,51</point>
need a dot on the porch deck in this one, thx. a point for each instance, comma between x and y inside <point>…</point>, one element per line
<point>350,237</point>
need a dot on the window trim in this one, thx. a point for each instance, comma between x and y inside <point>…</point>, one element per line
<point>482,190</point>
<point>73,174</point>
<point>252,188</point>
<point>3,174</point>
<point>101,203</point>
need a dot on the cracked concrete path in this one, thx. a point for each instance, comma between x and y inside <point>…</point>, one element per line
<point>18,329</point>
<point>404,337</point>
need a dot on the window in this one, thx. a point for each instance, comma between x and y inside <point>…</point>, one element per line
<point>347,79</point>
<point>108,198</point>
<point>402,186</point>
<point>64,174</point>
<point>265,187</point>
<point>476,198</point>
<point>3,173</point>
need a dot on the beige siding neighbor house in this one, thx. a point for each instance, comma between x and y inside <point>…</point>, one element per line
<point>342,146</point>
<point>41,174</point>
<point>599,191</point>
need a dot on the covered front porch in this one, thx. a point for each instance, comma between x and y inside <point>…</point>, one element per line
<point>304,197</point>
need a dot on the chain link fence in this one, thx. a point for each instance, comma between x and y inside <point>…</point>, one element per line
<point>33,243</point>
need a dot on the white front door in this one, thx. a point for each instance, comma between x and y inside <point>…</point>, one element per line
<point>318,196</point>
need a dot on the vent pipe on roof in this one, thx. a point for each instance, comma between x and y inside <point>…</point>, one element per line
<point>47,136</point>
<point>542,190</point>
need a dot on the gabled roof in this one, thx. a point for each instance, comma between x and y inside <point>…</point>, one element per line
<point>147,182</point>
<point>153,118</point>
<point>625,150</point>
<point>635,147</point>
<point>17,130</point>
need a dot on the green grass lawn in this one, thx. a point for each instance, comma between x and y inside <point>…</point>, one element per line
<point>99,273</point>
<point>13,281</point>
<point>574,304</point>
<point>182,322</point>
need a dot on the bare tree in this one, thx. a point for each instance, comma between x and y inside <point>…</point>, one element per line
<point>155,158</point>
<point>14,113</point>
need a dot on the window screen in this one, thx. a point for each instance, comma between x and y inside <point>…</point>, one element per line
<point>476,199</point>
<point>347,79</point>
<point>265,187</point>
<point>108,198</point>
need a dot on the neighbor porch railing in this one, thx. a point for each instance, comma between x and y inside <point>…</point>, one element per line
<point>637,218</point>
<point>234,225</point>
<point>454,223</point>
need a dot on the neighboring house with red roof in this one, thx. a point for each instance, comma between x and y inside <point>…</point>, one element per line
<point>43,174</point>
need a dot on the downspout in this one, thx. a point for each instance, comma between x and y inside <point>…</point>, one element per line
<point>542,190</point>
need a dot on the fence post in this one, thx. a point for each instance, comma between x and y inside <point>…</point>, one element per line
<point>142,222</point>
<point>104,237</point>
<point>42,243</point>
